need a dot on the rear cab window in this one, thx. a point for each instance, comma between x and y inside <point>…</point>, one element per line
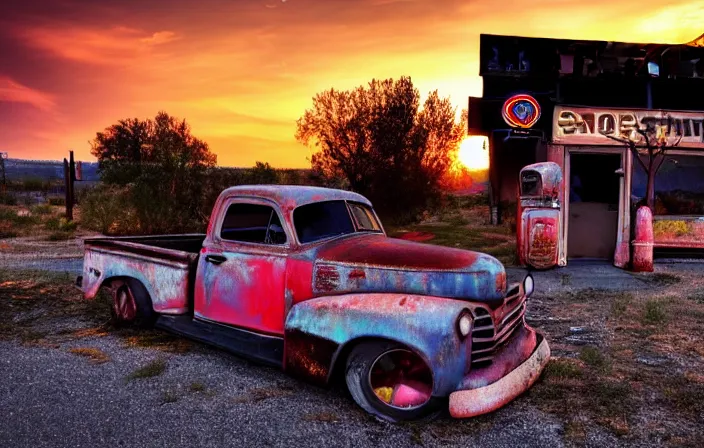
<point>252,223</point>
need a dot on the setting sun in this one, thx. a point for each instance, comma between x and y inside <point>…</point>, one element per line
<point>474,154</point>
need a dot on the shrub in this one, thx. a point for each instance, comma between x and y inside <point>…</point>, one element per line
<point>12,219</point>
<point>44,209</point>
<point>8,199</point>
<point>61,224</point>
<point>35,184</point>
<point>107,209</point>
<point>263,173</point>
<point>56,200</point>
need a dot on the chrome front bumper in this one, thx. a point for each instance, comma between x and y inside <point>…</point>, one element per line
<point>481,392</point>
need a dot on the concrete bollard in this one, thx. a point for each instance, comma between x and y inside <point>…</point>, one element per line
<point>643,242</point>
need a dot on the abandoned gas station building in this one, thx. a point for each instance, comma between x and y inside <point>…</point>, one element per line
<point>564,101</point>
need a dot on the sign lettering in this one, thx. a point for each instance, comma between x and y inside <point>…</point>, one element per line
<point>577,125</point>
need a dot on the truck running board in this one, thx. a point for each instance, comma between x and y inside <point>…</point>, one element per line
<point>268,350</point>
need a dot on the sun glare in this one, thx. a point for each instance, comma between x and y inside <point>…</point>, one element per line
<point>473,154</point>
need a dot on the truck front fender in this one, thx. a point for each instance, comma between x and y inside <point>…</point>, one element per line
<point>317,331</point>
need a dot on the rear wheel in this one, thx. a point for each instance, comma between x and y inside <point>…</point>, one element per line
<point>391,382</point>
<point>131,305</point>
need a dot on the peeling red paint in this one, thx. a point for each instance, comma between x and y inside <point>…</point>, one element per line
<point>381,250</point>
<point>357,273</point>
<point>236,292</point>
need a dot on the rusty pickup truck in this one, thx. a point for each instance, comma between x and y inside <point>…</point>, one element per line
<point>306,279</point>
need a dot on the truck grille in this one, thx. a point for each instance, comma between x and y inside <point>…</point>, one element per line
<point>488,337</point>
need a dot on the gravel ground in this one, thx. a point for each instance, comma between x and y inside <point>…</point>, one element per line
<point>52,398</point>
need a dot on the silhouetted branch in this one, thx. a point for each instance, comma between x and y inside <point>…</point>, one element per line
<point>620,140</point>
<point>631,146</point>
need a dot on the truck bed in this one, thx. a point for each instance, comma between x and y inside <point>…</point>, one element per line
<point>170,247</point>
<point>164,264</point>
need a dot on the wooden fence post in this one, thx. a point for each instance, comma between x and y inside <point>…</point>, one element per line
<point>69,177</point>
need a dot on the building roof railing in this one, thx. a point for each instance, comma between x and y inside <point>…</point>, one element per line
<point>516,56</point>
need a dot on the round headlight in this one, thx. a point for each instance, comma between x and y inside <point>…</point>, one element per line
<point>464,324</point>
<point>528,285</point>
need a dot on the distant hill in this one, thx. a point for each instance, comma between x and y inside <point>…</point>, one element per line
<point>19,169</point>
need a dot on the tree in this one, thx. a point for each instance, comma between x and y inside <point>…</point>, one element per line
<point>653,141</point>
<point>381,141</point>
<point>163,164</point>
<point>263,173</point>
<point>125,148</point>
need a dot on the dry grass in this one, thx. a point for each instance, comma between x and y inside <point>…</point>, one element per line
<point>95,355</point>
<point>633,370</point>
<point>197,387</point>
<point>640,377</point>
<point>169,396</point>
<point>156,339</point>
<point>30,300</point>
<point>23,221</point>
<point>263,393</point>
<point>325,417</point>
<point>150,370</point>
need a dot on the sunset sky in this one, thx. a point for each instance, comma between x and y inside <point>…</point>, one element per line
<point>242,71</point>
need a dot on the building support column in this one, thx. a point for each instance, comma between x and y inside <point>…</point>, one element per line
<point>494,186</point>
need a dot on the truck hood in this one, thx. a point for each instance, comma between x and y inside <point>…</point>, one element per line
<point>376,263</point>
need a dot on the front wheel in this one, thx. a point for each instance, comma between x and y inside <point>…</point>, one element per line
<point>131,305</point>
<point>391,382</point>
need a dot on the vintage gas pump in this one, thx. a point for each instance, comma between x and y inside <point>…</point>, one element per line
<point>538,218</point>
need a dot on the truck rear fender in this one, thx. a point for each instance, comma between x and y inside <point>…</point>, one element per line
<point>167,282</point>
<point>320,331</point>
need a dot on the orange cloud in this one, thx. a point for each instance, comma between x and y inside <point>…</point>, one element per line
<point>112,46</point>
<point>241,73</point>
<point>160,37</point>
<point>15,92</point>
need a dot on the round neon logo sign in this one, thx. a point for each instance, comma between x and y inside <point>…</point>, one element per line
<point>521,111</point>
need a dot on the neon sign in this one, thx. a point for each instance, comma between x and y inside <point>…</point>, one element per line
<point>521,111</point>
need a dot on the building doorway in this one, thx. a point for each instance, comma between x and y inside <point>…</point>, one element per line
<point>595,188</point>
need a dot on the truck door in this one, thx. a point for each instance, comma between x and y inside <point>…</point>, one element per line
<point>240,279</point>
<point>539,215</point>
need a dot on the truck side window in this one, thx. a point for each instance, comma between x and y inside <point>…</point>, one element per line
<point>252,223</point>
<point>364,217</point>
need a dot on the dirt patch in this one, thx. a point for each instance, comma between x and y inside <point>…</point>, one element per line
<point>623,362</point>
<point>263,393</point>
<point>620,366</point>
<point>40,308</point>
<point>326,417</point>
<point>95,355</point>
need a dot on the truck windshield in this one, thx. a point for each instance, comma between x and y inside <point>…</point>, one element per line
<point>326,219</point>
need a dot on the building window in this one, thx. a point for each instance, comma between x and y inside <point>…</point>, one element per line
<point>679,185</point>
